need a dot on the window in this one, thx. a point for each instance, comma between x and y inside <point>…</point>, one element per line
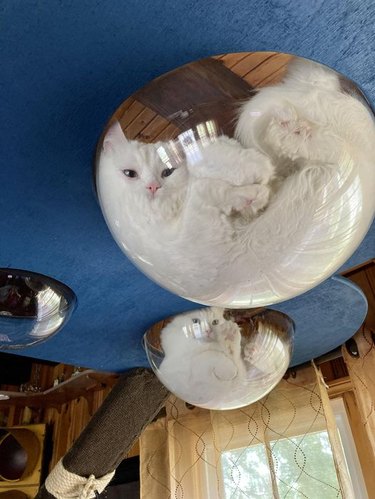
<point>246,473</point>
<point>285,446</point>
<point>303,467</point>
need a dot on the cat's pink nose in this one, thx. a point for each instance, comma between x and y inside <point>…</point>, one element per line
<point>153,187</point>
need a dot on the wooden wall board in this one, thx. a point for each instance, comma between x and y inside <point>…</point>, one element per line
<point>65,421</point>
<point>364,276</point>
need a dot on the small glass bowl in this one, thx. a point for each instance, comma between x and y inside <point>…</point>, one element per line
<point>33,307</point>
<point>221,359</point>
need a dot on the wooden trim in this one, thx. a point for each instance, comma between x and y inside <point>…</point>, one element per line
<point>339,386</point>
<point>359,267</point>
<point>79,385</point>
<point>364,451</point>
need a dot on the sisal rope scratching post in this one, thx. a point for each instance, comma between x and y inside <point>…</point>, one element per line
<point>91,462</point>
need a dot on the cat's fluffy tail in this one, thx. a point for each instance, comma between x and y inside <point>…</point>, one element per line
<point>304,72</point>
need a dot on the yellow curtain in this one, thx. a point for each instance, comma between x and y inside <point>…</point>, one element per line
<point>285,445</point>
<point>362,374</point>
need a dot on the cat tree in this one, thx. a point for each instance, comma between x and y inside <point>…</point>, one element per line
<point>88,467</point>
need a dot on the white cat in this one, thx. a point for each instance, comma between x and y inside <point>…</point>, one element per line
<point>321,142</point>
<point>173,211</point>
<point>203,362</point>
<point>252,224</point>
<point>210,363</point>
<point>305,118</point>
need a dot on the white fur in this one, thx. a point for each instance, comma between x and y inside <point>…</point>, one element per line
<point>321,142</point>
<point>174,230</point>
<point>209,363</point>
<point>305,117</point>
<point>311,74</point>
<point>203,368</point>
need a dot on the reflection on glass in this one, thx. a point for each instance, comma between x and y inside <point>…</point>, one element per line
<point>221,359</point>
<point>248,200</point>
<point>32,307</point>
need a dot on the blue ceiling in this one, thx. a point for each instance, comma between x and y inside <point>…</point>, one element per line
<point>65,67</point>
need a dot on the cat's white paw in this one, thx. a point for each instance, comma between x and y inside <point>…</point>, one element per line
<point>287,134</point>
<point>251,199</point>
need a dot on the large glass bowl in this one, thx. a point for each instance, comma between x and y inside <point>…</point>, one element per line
<point>33,307</point>
<point>221,359</point>
<point>241,180</point>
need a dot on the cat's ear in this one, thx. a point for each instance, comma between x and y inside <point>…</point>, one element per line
<point>114,137</point>
<point>218,312</point>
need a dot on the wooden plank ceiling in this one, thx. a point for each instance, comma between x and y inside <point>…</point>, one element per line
<point>207,89</point>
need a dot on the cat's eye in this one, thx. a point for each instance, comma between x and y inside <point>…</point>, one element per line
<point>215,322</point>
<point>130,173</point>
<point>167,172</point>
<point>196,321</point>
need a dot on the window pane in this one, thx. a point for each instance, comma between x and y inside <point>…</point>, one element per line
<point>246,473</point>
<point>304,467</point>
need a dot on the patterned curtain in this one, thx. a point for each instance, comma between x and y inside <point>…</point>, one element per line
<point>284,446</point>
<point>362,374</point>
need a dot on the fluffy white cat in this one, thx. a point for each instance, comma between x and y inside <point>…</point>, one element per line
<point>305,118</point>
<point>256,220</point>
<point>208,362</point>
<point>173,210</point>
<point>203,362</point>
<point>321,142</point>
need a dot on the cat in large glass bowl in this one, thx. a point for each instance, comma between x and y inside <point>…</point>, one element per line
<point>220,220</point>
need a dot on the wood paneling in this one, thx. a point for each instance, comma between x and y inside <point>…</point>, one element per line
<point>364,276</point>
<point>258,68</point>
<point>197,92</point>
<point>334,370</point>
<point>66,409</point>
<point>139,122</point>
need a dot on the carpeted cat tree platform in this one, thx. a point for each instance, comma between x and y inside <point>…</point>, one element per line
<point>88,467</point>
